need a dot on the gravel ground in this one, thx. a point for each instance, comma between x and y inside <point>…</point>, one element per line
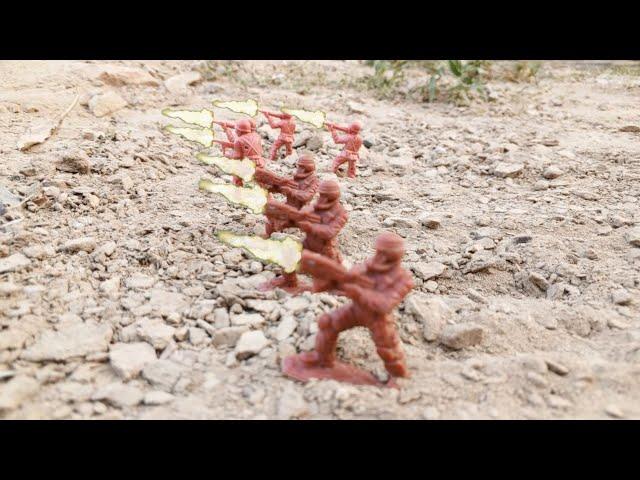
<point>520,215</point>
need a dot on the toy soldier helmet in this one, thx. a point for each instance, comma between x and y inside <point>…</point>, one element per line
<point>355,127</point>
<point>307,163</point>
<point>391,244</point>
<point>243,126</point>
<point>329,189</point>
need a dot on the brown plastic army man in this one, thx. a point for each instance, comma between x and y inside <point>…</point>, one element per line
<point>376,288</point>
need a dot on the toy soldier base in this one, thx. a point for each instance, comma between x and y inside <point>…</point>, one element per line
<point>375,288</point>
<point>295,367</point>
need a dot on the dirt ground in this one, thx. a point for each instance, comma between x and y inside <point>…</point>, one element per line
<point>520,216</point>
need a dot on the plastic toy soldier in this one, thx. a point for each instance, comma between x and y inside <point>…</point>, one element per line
<point>321,222</point>
<point>376,288</point>
<point>299,190</point>
<point>352,143</point>
<point>287,126</point>
<point>246,144</point>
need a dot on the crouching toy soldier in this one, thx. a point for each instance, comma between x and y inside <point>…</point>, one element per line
<point>321,222</point>
<point>376,288</point>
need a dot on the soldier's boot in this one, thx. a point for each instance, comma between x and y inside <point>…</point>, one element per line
<point>324,354</point>
<point>339,160</point>
<point>352,169</point>
<point>389,348</point>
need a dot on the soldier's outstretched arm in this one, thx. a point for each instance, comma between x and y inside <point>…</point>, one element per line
<point>326,231</point>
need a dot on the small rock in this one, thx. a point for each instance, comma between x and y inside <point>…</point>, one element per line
<point>119,395</point>
<point>292,404</point>
<point>633,237</point>
<point>75,161</point>
<point>432,313</point>
<point>179,84</point>
<point>139,281</point>
<point>630,129</point>
<point>314,142</point>
<point>504,169</point>
<point>39,252</point>
<point>247,319</point>
<point>14,263</point>
<point>9,288</point>
<point>462,335</point>
<point>430,220</point>
<point>539,281</point>
<point>118,75</point>
<point>228,336</point>
<point>163,374</point>
<point>557,368</point>
<point>250,343</point>
<point>84,244</point>
<point>285,328</point>
<point>613,411</point>
<point>555,401</point>
<point>429,270</point>
<point>155,332</point>
<point>551,172</point>
<point>16,391</point>
<point>621,297</point>
<point>157,397</point>
<point>197,336</point>
<point>128,359</point>
<point>431,413</point>
<point>106,103</point>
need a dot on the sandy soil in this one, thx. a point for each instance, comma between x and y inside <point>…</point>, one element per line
<point>116,301</point>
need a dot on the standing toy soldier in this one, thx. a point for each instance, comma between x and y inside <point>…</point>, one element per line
<point>299,190</point>
<point>246,144</point>
<point>376,288</point>
<point>352,143</point>
<point>287,126</point>
<point>321,222</point>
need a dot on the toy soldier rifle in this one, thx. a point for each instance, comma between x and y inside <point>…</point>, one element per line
<point>225,144</point>
<point>224,124</point>
<point>274,114</point>
<point>329,274</point>
<point>333,126</point>
<point>269,179</point>
<point>282,211</point>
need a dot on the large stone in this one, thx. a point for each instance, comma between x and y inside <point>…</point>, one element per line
<point>14,263</point>
<point>128,359</point>
<point>431,312</point>
<point>248,319</point>
<point>462,335</point>
<point>14,393</point>
<point>250,344</point>
<point>106,103</point>
<point>75,340</point>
